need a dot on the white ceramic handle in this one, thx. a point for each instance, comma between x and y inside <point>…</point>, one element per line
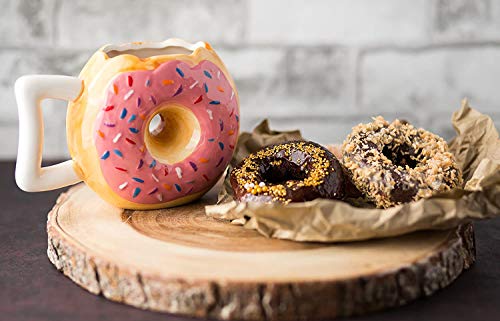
<point>30,91</point>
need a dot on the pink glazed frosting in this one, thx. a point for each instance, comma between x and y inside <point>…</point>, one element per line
<point>132,98</point>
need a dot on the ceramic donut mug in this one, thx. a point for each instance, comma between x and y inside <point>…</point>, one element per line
<point>149,125</point>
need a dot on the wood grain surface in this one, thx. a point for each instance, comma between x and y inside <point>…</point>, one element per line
<point>180,261</point>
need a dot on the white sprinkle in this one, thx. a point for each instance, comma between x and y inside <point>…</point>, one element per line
<point>159,197</point>
<point>232,95</point>
<point>210,115</point>
<point>117,137</point>
<point>251,185</point>
<point>246,186</point>
<point>218,74</point>
<point>179,172</point>
<point>155,178</point>
<point>128,95</point>
<point>122,186</point>
<point>262,184</point>
<point>194,84</point>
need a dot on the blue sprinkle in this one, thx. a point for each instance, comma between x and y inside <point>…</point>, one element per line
<point>141,162</point>
<point>117,152</point>
<point>137,179</point>
<point>179,71</point>
<point>105,155</point>
<point>148,82</point>
<point>214,102</point>
<point>134,130</point>
<point>207,74</point>
<point>211,139</point>
<point>139,102</point>
<point>137,190</point>
<point>177,187</point>
<point>206,87</point>
<point>237,118</point>
<point>132,118</point>
<point>193,165</point>
<point>153,163</point>
<point>124,113</point>
<point>221,145</point>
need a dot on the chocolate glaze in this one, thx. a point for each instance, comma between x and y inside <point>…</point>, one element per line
<point>290,167</point>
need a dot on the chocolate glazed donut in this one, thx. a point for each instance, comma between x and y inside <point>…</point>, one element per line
<point>395,163</point>
<point>294,171</point>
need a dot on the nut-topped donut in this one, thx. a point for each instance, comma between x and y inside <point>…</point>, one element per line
<point>395,163</point>
<point>290,172</point>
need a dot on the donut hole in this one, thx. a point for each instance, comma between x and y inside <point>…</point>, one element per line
<point>173,133</point>
<point>401,155</point>
<point>280,172</point>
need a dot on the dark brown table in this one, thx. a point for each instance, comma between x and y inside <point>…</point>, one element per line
<point>32,289</point>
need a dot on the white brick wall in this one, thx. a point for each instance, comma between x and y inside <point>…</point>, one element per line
<point>321,65</point>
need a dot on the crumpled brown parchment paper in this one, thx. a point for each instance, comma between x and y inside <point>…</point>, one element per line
<point>476,147</point>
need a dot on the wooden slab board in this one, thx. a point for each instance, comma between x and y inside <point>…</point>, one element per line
<point>180,261</point>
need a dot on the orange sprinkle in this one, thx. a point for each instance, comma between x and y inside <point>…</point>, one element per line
<point>203,160</point>
<point>230,132</point>
<point>142,149</point>
<point>100,133</point>
<point>219,88</point>
<point>115,89</point>
<point>167,81</point>
<point>167,187</point>
<point>207,45</point>
<point>142,116</point>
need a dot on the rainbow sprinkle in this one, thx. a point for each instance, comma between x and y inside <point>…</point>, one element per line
<point>138,180</point>
<point>194,84</point>
<point>132,118</point>
<point>105,155</point>
<point>128,95</point>
<point>207,74</point>
<point>122,186</point>
<point>179,90</point>
<point>108,108</point>
<point>221,146</point>
<point>133,130</point>
<point>153,163</point>
<point>117,152</point>
<point>141,162</point>
<point>178,170</point>
<point>179,71</point>
<point>137,190</point>
<point>117,137</point>
<point>193,165</point>
<point>123,113</point>
<point>206,87</point>
<point>198,99</point>
<point>177,187</point>
<point>154,190</point>
<point>214,102</point>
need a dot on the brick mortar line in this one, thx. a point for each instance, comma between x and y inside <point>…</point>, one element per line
<point>362,49</point>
